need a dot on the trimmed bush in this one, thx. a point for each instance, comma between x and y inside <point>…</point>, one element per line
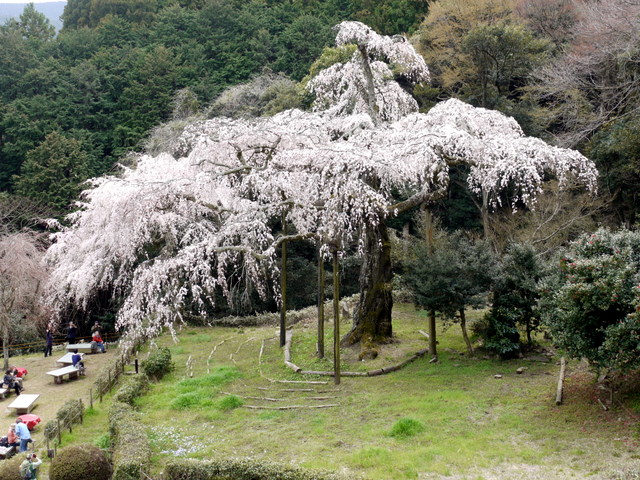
<point>158,364</point>
<point>70,413</point>
<point>51,429</point>
<point>131,389</point>
<point>131,451</point>
<point>242,469</point>
<point>80,461</point>
<point>10,469</point>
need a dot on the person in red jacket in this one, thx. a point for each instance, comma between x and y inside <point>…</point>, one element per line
<point>97,339</point>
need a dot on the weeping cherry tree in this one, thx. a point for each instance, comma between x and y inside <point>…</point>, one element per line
<point>168,234</point>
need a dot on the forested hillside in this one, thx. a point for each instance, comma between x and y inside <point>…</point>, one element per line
<point>112,72</point>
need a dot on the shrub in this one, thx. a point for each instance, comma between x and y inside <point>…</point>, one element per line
<point>590,301</point>
<point>406,427</point>
<point>51,429</point>
<point>131,451</point>
<point>132,389</point>
<point>70,413</point>
<point>158,364</point>
<point>242,469</point>
<point>10,469</point>
<point>80,461</point>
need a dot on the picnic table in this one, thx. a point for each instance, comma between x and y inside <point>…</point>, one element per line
<point>30,420</point>
<point>24,403</point>
<point>81,347</point>
<point>66,359</point>
<point>59,374</point>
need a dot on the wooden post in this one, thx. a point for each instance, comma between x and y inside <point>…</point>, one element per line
<point>336,319</point>
<point>563,365</point>
<point>135,363</point>
<point>320,305</point>
<point>109,378</point>
<point>432,313</point>
<point>283,285</point>
<point>91,397</point>
<point>58,430</point>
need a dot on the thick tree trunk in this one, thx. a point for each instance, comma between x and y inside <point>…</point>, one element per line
<point>463,326</point>
<point>433,349</point>
<point>372,317</point>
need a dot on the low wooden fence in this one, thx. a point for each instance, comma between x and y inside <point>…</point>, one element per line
<point>38,346</point>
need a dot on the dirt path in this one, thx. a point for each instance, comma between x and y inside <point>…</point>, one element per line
<point>52,395</point>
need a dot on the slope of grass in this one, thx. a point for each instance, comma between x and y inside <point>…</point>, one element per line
<point>474,425</point>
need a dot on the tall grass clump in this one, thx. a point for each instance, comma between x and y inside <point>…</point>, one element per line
<point>406,427</point>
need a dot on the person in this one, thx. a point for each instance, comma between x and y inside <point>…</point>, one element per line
<point>10,381</point>
<point>71,333</point>
<point>96,327</point>
<point>17,375</point>
<point>12,438</point>
<point>29,467</point>
<point>35,463</point>
<point>48,347</point>
<point>76,360</point>
<point>97,340</point>
<point>25,468</point>
<point>23,433</point>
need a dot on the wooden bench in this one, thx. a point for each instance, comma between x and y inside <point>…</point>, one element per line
<point>24,403</point>
<point>66,359</point>
<point>7,452</point>
<point>81,347</point>
<point>61,372</point>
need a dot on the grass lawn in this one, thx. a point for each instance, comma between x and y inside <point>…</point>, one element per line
<point>451,419</point>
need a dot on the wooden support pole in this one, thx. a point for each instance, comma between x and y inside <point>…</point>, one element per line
<point>432,313</point>
<point>563,365</point>
<point>283,285</point>
<point>320,305</point>
<point>336,319</point>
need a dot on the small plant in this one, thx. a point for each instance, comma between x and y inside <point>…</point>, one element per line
<point>406,427</point>
<point>103,442</point>
<point>158,364</point>
<point>230,402</point>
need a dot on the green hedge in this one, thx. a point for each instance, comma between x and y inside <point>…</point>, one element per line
<point>131,389</point>
<point>242,469</point>
<point>132,451</point>
<point>158,363</point>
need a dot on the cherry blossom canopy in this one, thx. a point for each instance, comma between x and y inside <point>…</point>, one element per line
<point>167,234</point>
